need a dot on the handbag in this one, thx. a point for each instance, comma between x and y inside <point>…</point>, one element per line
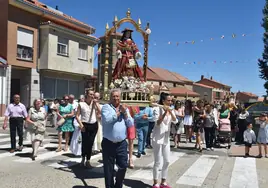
<point>40,128</point>
<point>61,121</point>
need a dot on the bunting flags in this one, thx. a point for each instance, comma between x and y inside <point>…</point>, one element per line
<point>222,37</point>
<point>223,62</point>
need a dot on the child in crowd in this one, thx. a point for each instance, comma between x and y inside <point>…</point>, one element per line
<point>249,138</point>
<point>262,138</point>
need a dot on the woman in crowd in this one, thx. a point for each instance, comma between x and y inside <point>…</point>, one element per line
<point>209,127</point>
<point>36,125</point>
<point>161,142</point>
<point>188,120</point>
<point>199,123</point>
<point>76,142</point>
<point>65,124</point>
<point>178,129</point>
<point>242,125</point>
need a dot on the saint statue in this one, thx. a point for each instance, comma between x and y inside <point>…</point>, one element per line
<point>127,54</point>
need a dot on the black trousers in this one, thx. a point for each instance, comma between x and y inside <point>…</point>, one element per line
<point>114,153</point>
<point>150,130</point>
<point>16,127</point>
<point>88,138</point>
<point>209,136</point>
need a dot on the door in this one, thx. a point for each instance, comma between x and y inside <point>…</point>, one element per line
<point>25,95</point>
<point>15,88</point>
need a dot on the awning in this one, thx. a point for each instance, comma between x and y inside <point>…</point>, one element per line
<point>3,62</point>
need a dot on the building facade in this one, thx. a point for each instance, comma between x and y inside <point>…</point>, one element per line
<point>246,97</point>
<point>31,60</point>
<point>220,92</point>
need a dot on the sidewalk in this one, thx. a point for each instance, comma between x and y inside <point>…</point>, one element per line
<point>239,151</point>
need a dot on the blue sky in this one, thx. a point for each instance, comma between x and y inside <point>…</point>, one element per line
<point>187,20</point>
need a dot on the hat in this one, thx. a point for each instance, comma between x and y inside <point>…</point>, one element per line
<point>127,29</point>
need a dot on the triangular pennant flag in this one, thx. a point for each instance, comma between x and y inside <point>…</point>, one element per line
<point>222,37</point>
<point>177,44</point>
<point>169,42</point>
<point>99,50</point>
<point>233,35</point>
<point>193,42</point>
<point>211,38</point>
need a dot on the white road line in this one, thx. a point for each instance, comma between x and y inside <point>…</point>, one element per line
<point>4,146</point>
<point>3,134</point>
<point>147,174</point>
<point>244,173</point>
<point>25,150</point>
<point>197,173</point>
<point>7,139</point>
<point>42,156</point>
<point>71,162</point>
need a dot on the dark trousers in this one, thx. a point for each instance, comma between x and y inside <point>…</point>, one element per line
<point>16,126</point>
<point>209,136</point>
<point>150,130</point>
<point>114,153</point>
<point>88,138</point>
<point>242,126</point>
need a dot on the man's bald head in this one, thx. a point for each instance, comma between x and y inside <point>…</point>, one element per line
<point>97,95</point>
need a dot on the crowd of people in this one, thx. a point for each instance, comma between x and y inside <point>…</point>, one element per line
<point>111,128</point>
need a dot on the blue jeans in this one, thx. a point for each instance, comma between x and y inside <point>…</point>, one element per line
<point>142,137</point>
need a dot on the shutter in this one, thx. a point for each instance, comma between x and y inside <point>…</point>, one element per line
<point>25,37</point>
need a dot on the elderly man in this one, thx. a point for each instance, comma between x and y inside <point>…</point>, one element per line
<point>16,112</point>
<point>115,120</point>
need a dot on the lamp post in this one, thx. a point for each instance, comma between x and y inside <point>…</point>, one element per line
<point>116,24</point>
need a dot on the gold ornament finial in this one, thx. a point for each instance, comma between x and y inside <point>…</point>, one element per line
<point>139,22</point>
<point>115,19</point>
<point>128,13</point>
<point>107,26</point>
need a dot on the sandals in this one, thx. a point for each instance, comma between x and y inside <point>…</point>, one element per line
<point>58,149</point>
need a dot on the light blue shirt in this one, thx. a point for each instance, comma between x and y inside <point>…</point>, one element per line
<point>143,122</point>
<point>114,128</point>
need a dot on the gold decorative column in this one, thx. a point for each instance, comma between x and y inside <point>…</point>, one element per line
<point>106,65</point>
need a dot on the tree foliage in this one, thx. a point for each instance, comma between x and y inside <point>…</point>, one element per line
<point>263,63</point>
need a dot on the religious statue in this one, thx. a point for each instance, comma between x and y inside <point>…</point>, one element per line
<point>127,54</point>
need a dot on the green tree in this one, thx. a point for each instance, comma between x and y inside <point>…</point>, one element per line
<point>263,62</point>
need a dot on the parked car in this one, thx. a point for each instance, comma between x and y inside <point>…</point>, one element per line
<point>254,111</point>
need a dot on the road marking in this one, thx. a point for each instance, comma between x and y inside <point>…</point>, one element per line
<point>3,134</point>
<point>244,173</point>
<point>28,142</point>
<point>71,162</point>
<point>147,174</point>
<point>197,173</point>
<point>25,150</point>
<point>43,156</point>
<point>7,139</point>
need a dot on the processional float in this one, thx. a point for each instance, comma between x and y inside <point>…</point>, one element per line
<point>127,75</point>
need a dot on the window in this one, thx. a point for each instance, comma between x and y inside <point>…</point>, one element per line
<point>48,88</point>
<point>63,46</point>
<point>55,88</point>
<point>62,88</point>
<point>24,44</point>
<point>218,95</point>
<point>82,54</point>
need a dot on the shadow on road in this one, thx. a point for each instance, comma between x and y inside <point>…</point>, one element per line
<point>79,186</point>
<point>136,183</point>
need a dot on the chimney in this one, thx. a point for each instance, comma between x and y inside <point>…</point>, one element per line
<point>57,8</point>
<point>211,78</point>
<point>202,77</point>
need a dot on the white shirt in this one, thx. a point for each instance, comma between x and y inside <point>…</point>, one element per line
<point>215,114</point>
<point>249,136</point>
<point>161,132</point>
<point>86,111</point>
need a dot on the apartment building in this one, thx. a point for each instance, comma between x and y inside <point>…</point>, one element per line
<point>45,52</point>
<point>220,92</point>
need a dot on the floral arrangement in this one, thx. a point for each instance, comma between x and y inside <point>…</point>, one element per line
<point>131,84</point>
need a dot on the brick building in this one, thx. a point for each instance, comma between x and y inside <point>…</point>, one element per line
<point>220,91</point>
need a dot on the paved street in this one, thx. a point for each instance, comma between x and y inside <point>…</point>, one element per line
<point>188,168</point>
